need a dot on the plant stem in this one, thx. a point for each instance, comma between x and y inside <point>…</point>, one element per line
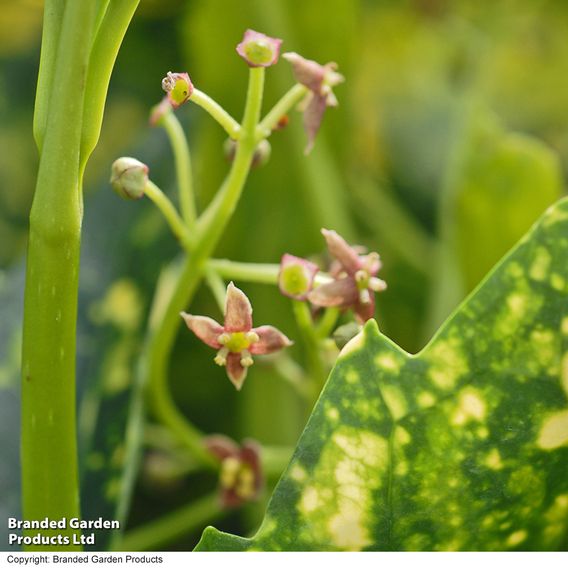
<point>253,272</point>
<point>52,19</point>
<point>217,112</point>
<point>182,159</point>
<point>156,534</point>
<point>211,226</point>
<point>311,341</point>
<point>50,485</point>
<point>245,271</point>
<point>109,36</point>
<point>158,349</point>
<point>212,223</point>
<point>217,287</point>
<point>153,192</point>
<point>282,107</point>
<point>327,322</point>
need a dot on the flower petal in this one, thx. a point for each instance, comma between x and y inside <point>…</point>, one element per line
<point>206,329</point>
<point>235,371</point>
<point>365,312</point>
<point>307,72</point>
<point>341,293</point>
<point>221,446</point>
<point>250,454</point>
<point>345,254</point>
<point>270,340</point>
<point>238,311</point>
<point>313,115</point>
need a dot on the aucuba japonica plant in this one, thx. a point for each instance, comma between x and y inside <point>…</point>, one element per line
<point>461,446</point>
<point>318,296</point>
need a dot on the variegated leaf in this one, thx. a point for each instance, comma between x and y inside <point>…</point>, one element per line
<point>460,447</point>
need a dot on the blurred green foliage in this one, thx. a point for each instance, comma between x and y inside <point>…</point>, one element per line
<point>384,173</point>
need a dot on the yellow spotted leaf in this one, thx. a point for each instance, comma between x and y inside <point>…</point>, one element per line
<point>463,446</point>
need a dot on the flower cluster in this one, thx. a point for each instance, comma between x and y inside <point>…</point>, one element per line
<point>352,278</point>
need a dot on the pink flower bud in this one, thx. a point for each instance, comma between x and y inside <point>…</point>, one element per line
<point>259,50</point>
<point>296,276</point>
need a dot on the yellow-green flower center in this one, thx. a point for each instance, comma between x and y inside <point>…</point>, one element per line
<point>259,52</point>
<point>294,281</point>
<point>180,91</point>
<point>236,341</point>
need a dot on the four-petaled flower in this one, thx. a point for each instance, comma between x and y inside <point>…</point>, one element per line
<point>320,80</point>
<point>259,50</point>
<point>355,280</point>
<point>236,340</point>
<point>240,477</point>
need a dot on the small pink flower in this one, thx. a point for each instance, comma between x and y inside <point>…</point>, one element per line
<point>355,280</point>
<point>236,340</point>
<point>259,50</point>
<point>178,87</point>
<point>296,276</point>
<point>240,478</point>
<point>320,80</point>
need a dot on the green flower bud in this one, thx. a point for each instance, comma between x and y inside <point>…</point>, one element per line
<point>129,178</point>
<point>296,276</point>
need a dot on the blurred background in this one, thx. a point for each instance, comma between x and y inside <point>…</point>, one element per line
<point>450,140</point>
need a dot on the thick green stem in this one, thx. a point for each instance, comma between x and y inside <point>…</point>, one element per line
<point>217,112</point>
<point>179,229</point>
<point>49,447</point>
<point>182,158</point>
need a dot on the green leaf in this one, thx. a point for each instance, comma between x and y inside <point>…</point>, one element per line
<point>461,447</point>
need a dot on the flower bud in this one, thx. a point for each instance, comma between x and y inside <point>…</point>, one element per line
<point>261,153</point>
<point>296,276</point>
<point>159,111</point>
<point>259,50</point>
<point>129,178</point>
<point>178,87</point>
